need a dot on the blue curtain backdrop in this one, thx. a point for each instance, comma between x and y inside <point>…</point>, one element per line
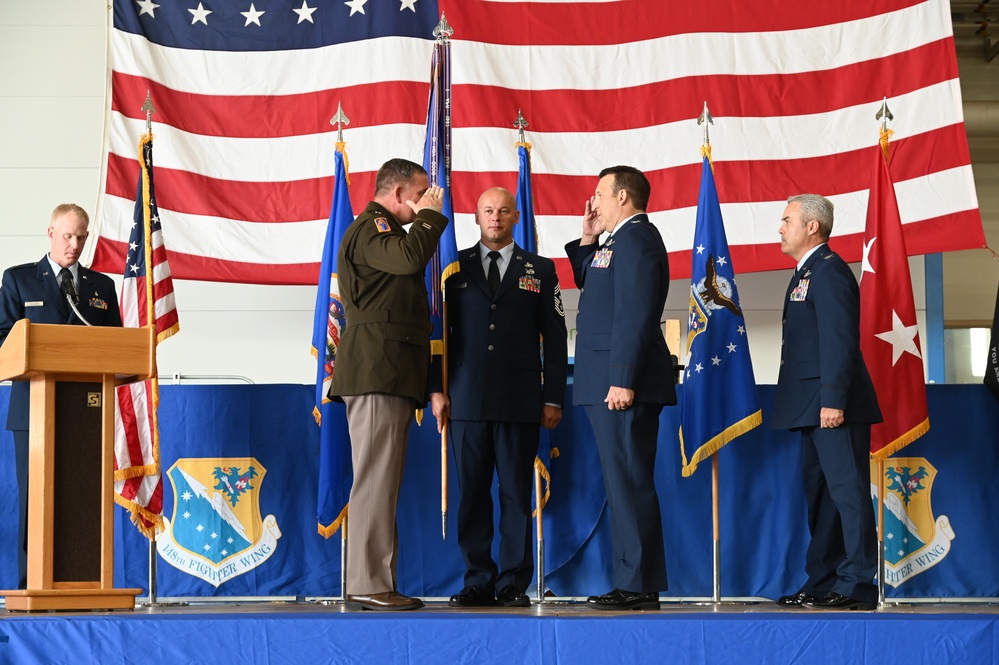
<point>762,507</point>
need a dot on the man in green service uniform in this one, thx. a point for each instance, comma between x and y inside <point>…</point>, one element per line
<point>382,365</point>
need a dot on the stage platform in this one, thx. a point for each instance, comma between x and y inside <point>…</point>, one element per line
<point>556,631</point>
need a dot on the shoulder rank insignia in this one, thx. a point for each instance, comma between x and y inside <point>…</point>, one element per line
<point>382,225</point>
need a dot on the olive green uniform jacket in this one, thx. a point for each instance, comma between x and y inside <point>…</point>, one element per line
<point>386,340</point>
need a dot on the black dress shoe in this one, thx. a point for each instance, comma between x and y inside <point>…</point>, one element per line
<point>796,600</point>
<point>511,596</point>
<point>619,599</point>
<point>472,596</point>
<point>835,601</point>
<point>387,600</point>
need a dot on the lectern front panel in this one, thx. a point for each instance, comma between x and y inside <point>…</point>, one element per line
<point>77,519</point>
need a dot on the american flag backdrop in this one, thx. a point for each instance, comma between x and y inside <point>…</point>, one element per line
<point>147,298</point>
<point>245,91</point>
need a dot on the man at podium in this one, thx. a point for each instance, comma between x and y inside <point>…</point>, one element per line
<point>42,292</point>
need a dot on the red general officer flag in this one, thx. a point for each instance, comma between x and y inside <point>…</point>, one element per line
<point>889,336</point>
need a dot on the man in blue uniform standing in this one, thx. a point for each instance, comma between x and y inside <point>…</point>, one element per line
<point>623,374</point>
<point>38,292</point>
<point>506,375</point>
<point>825,393</point>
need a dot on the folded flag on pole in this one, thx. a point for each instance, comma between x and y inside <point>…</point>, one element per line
<point>992,362</point>
<point>889,335</point>
<point>437,162</point>
<point>335,469</point>
<point>719,389</point>
<point>147,298</point>
<point>525,233</point>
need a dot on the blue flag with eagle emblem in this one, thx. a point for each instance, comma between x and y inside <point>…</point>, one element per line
<point>719,389</point>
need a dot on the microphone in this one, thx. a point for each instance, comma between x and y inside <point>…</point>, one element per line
<point>68,288</point>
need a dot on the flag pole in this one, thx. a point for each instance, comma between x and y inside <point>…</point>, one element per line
<point>442,34</point>
<point>540,530</point>
<point>445,422</point>
<point>147,106</point>
<point>705,120</point>
<point>884,115</point>
<point>520,124</point>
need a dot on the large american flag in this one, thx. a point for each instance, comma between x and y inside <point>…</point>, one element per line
<point>147,298</point>
<point>245,91</point>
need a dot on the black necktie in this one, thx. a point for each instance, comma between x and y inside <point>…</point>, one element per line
<point>493,277</point>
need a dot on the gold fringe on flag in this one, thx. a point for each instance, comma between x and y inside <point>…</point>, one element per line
<point>327,531</point>
<point>545,476</point>
<point>902,441</point>
<point>717,442</point>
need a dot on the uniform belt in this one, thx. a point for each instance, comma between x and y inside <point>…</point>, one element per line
<point>404,318</point>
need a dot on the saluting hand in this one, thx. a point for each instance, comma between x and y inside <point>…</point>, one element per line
<point>591,223</point>
<point>433,198</point>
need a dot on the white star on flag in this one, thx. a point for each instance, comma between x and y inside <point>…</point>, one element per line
<point>731,347</point>
<point>200,14</point>
<point>408,4</point>
<point>147,7</point>
<point>305,13</point>
<point>901,337</point>
<point>721,260</point>
<point>252,16</point>
<point>356,6</point>
<point>700,249</point>
<point>867,267</point>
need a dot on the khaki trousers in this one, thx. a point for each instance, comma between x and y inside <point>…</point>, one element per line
<point>379,426</point>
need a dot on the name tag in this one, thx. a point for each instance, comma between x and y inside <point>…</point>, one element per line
<point>602,258</point>
<point>800,292</point>
<point>35,303</point>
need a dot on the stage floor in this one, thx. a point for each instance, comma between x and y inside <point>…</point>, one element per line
<point>556,631</point>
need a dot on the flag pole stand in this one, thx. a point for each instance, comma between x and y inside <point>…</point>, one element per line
<point>716,550</point>
<point>343,560</point>
<point>153,601</point>
<point>881,535</point>
<point>541,536</point>
<point>716,598</point>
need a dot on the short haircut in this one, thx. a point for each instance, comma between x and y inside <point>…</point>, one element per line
<point>818,208</point>
<point>64,208</point>
<point>632,181</point>
<point>396,172</point>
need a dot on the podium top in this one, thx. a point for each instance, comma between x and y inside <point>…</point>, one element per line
<point>34,349</point>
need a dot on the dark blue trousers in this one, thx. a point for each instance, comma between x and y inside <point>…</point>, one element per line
<point>842,555</point>
<point>626,443</point>
<point>510,449</point>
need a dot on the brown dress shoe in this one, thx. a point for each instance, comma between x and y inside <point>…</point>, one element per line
<point>387,600</point>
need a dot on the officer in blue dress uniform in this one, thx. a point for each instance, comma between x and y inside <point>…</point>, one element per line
<point>36,291</point>
<point>506,376</point>
<point>623,374</point>
<point>825,392</point>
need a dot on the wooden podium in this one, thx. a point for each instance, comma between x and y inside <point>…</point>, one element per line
<point>71,479</point>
